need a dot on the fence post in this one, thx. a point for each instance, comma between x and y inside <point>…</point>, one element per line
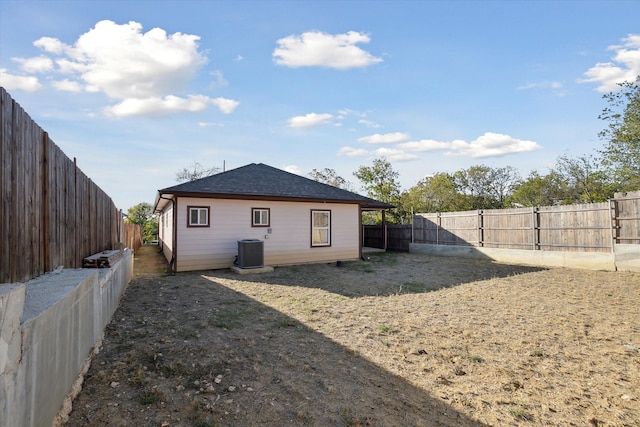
<point>384,230</point>
<point>46,205</point>
<point>480,223</point>
<point>535,227</point>
<point>120,220</point>
<point>74,221</point>
<point>412,221</point>
<point>438,226</point>
<point>613,222</point>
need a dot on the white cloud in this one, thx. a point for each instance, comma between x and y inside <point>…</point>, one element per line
<point>387,138</point>
<point>353,152</point>
<point>491,145</point>
<point>126,63</point>
<point>315,48</point>
<point>225,105</point>
<point>51,45</point>
<point>345,112</point>
<point>625,66</point>
<point>145,73</point>
<point>161,106</point>
<point>38,64</point>
<point>369,123</point>
<point>488,145</point>
<point>557,88</point>
<point>66,66</point>
<point>293,169</point>
<point>218,79</point>
<point>308,120</point>
<point>424,145</point>
<point>208,124</point>
<point>12,81</point>
<point>67,85</point>
<point>394,154</point>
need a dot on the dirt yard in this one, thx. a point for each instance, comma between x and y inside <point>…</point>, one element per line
<point>398,340</point>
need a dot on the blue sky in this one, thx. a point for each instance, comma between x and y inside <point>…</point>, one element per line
<point>138,90</point>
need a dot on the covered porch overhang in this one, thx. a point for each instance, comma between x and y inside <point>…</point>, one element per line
<point>382,207</point>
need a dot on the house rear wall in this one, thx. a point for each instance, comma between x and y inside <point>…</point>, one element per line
<point>202,248</point>
<point>165,230</point>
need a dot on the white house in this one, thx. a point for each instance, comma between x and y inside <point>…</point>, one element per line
<point>298,220</point>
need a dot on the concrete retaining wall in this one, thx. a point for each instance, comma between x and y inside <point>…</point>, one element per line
<point>49,327</point>
<point>587,260</point>
<point>627,257</point>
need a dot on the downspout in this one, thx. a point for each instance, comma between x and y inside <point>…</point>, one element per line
<point>120,225</point>
<point>174,236</point>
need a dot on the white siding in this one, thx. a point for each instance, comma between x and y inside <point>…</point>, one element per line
<point>202,248</point>
<point>165,231</point>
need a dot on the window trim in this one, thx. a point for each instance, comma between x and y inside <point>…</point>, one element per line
<point>320,245</point>
<point>253,217</point>
<point>190,225</point>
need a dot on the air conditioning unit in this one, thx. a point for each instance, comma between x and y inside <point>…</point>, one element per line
<point>250,253</point>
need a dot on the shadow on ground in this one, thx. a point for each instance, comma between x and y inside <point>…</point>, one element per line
<point>384,274</point>
<point>184,350</point>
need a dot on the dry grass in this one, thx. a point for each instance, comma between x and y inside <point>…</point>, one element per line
<point>401,339</point>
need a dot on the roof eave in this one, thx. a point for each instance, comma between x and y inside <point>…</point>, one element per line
<point>160,200</point>
<point>235,196</point>
<point>376,207</point>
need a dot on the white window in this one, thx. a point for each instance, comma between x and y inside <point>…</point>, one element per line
<point>320,228</point>
<point>198,216</point>
<point>260,217</point>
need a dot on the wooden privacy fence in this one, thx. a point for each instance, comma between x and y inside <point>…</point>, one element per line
<point>132,235</point>
<point>593,227</point>
<point>398,236</point>
<point>572,227</point>
<point>625,218</point>
<point>51,213</point>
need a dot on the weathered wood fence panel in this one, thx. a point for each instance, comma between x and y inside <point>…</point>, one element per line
<point>626,221</point>
<point>132,235</point>
<point>585,227</point>
<point>435,227</point>
<point>506,228</point>
<point>52,214</point>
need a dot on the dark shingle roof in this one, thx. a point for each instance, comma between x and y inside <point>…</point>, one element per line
<point>259,181</point>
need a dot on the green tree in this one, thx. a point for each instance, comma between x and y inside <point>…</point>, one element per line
<point>538,190</point>
<point>585,181</point>
<point>503,182</point>
<point>195,171</point>
<point>330,176</point>
<point>437,193</point>
<point>486,187</point>
<point>474,183</point>
<point>621,155</point>
<point>142,214</point>
<point>380,182</point>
